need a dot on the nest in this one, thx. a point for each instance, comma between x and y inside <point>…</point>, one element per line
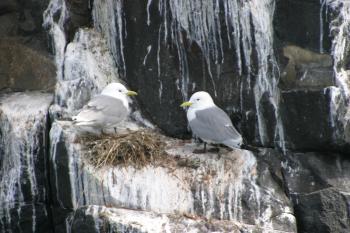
<point>138,149</point>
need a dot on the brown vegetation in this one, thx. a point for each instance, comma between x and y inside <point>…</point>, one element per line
<point>138,149</point>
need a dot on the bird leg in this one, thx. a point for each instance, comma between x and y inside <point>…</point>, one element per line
<point>103,133</point>
<point>214,150</point>
<point>115,130</point>
<point>199,151</point>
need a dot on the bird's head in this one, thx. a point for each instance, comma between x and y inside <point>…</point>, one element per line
<point>117,90</point>
<point>199,100</point>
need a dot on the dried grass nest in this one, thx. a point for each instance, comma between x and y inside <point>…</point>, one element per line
<point>136,148</point>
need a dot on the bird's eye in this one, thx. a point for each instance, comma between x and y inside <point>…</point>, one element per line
<point>198,99</point>
<point>120,90</point>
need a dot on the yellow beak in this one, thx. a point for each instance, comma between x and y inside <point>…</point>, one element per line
<point>186,104</point>
<point>131,93</point>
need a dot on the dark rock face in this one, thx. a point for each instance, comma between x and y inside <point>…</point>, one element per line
<point>318,184</point>
<point>152,68</point>
<point>306,119</point>
<point>304,29</point>
<point>250,93</point>
<point>323,212</point>
<point>158,95</point>
<point>79,16</point>
<point>23,20</point>
<point>308,101</point>
<point>25,63</point>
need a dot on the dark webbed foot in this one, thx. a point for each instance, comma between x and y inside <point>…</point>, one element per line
<point>190,163</point>
<point>214,150</point>
<point>199,151</point>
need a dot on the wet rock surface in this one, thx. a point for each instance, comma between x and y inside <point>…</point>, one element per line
<point>153,65</point>
<point>79,16</point>
<point>87,67</point>
<point>24,190</point>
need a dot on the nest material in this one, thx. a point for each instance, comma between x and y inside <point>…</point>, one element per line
<point>138,149</point>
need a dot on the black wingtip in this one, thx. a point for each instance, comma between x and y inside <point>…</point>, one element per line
<point>250,148</point>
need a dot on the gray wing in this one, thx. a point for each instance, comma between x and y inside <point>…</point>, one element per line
<point>102,111</point>
<point>213,124</point>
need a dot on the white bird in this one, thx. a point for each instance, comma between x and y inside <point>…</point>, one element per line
<point>105,110</point>
<point>209,122</point>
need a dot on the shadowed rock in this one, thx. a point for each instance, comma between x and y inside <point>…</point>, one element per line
<point>319,186</point>
<point>306,69</point>
<point>298,22</point>
<point>22,68</point>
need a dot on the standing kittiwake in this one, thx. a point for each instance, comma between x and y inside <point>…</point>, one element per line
<point>105,110</point>
<point>209,122</point>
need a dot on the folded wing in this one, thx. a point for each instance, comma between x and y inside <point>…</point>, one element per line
<point>214,125</point>
<point>101,111</point>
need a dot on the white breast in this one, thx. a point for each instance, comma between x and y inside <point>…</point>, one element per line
<point>121,97</point>
<point>191,114</point>
<point>125,101</point>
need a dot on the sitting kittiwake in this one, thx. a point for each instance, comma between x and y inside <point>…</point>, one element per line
<point>105,110</point>
<point>209,122</point>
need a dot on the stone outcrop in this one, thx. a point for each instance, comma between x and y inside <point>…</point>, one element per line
<point>24,190</point>
<point>22,20</point>
<point>306,69</point>
<point>318,184</point>
<point>25,63</point>
<point>124,220</point>
<point>304,23</point>
<point>23,68</point>
<point>232,186</point>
